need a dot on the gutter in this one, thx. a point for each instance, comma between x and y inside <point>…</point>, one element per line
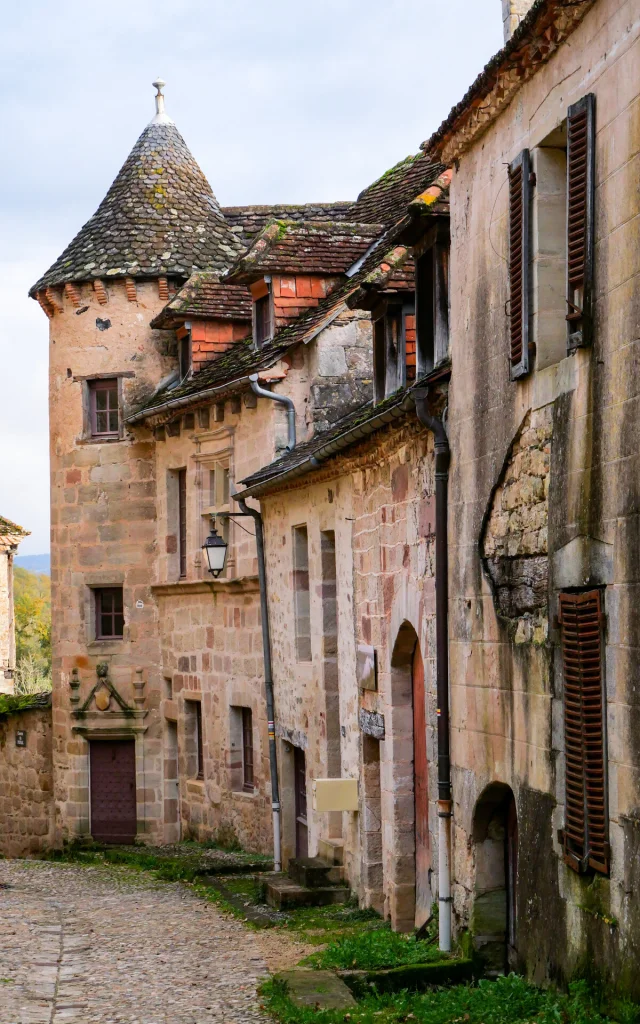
<point>180,403</point>
<point>333,447</point>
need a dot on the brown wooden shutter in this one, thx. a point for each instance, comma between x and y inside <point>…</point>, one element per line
<point>580,220</point>
<point>585,831</point>
<point>519,208</point>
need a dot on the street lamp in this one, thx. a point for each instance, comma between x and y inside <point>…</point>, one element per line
<point>215,548</point>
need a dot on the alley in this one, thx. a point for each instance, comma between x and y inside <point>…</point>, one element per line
<point>88,945</point>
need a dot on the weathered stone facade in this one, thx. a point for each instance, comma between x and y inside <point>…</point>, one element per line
<point>10,537</point>
<point>26,781</point>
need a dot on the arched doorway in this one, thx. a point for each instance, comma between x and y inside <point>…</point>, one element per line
<point>495,837</point>
<point>411,887</point>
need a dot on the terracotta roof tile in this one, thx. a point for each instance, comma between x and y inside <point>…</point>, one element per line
<point>308,247</point>
<point>204,297</point>
<point>7,528</point>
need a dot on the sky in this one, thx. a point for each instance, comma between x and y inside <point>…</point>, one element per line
<point>279,102</point>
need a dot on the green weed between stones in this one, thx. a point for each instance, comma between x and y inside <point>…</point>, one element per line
<point>508,1000</point>
<point>376,949</point>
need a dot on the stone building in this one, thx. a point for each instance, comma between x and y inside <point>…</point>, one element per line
<point>170,320</point>
<point>10,537</point>
<point>430,393</point>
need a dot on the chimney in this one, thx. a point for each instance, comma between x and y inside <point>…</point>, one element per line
<point>513,11</point>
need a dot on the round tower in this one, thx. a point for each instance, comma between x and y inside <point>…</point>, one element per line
<point>158,223</point>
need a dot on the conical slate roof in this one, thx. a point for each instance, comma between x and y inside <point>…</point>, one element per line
<point>159,218</point>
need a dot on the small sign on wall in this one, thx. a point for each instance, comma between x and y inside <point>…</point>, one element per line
<point>367,667</point>
<point>21,737</point>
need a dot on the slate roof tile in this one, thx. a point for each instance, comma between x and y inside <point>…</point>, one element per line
<point>247,221</point>
<point>160,217</point>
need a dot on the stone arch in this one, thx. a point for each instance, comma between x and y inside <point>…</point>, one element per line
<point>409,891</point>
<point>495,839</point>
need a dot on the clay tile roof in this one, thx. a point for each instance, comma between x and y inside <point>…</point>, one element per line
<point>307,247</point>
<point>387,198</point>
<point>159,217</point>
<point>434,199</point>
<point>9,529</point>
<point>544,27</point>
<point>247,221</point>
<point>395,272</point>
<point>203,297</point>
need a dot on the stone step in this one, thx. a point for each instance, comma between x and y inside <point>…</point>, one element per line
<point>313,872</point>
<point>331,850</point>
<point>285,894</point>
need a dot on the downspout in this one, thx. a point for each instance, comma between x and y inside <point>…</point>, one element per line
<point>284,400</point>
<point>443,457</point>
<point>268,678</point>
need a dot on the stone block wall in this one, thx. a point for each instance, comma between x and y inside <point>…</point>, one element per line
<point>26,783</point>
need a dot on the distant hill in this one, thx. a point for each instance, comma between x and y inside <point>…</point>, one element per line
<point>35,563</point>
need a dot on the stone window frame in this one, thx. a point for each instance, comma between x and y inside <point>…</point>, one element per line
<point>241,726</point>
<point>207,462</point>
<point>87,381</point>
<point>195,737</point>
<point>101,581</point>
<point>301,590</point>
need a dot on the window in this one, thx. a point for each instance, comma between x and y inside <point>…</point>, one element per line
<point>389,351</point>
<point>185,356</point>
<point>182,521</point>
<point>216,498</point>
<point>109,613</point>
<point>432,300</point>
<point>585,837</point>
<point>262,319</point>
<point>247,750</point>
<point>241,762</point>
<point>195,741</point>
<point>301,593</point>
<point>104,412</point>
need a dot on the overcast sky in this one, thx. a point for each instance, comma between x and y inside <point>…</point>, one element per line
<point>279,102</point>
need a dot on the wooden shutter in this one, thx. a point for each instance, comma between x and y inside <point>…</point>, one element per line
<point>580,222</point>
<point>585,831</point>
<point>519,208</point>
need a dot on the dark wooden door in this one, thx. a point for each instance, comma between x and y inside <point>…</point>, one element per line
<point>113,790</point>
<point>300,789</point>
<point>421,792</point>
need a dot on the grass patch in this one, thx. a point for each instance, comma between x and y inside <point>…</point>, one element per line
<point>507,1000</point>
<point>375,949</point>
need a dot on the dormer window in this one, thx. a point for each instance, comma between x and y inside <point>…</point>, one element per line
<point>185,355</point>
<point>262,313</point>
<point>389,349</point>
<point>432,300</point>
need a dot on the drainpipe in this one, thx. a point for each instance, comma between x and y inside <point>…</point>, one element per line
<point>268,677</point>
<point>443,456</point>
<point>284,400</point>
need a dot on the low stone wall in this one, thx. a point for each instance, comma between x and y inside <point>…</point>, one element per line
<point>26,779</point>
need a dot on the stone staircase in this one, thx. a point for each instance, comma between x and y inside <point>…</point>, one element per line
<point>310,881</point>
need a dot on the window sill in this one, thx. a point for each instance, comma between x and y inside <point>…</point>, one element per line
<point>106,644</point>
<point>99,440</point>
<point>244,794</point>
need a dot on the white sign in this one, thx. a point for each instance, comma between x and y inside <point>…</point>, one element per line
<point>139,604</point>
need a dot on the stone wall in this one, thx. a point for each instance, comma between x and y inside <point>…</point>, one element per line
<point>377,499</point>
<point>26,783</point>
<point>506,695</point>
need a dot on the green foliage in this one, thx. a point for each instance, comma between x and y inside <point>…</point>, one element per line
<point>32,603</point>
<point>11,704</point>
<point>507,1000</point>
<point>375,950</point>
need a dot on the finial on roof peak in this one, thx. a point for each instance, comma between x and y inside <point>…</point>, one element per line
<point>161,116</point>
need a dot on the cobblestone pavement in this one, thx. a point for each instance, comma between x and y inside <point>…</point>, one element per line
<point>87,944</point>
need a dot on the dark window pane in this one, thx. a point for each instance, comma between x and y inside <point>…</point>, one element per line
<point>109,613</point>
<point>103,407</point>
<point>101,399</point>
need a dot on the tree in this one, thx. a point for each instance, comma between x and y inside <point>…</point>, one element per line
<point>32,604</point>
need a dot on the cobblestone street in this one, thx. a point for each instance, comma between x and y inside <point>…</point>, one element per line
<point>88,944</point>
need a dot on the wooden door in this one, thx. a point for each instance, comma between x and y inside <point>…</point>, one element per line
<point>300,788</point>
<point>421,792</point>
<point>113,790</point>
